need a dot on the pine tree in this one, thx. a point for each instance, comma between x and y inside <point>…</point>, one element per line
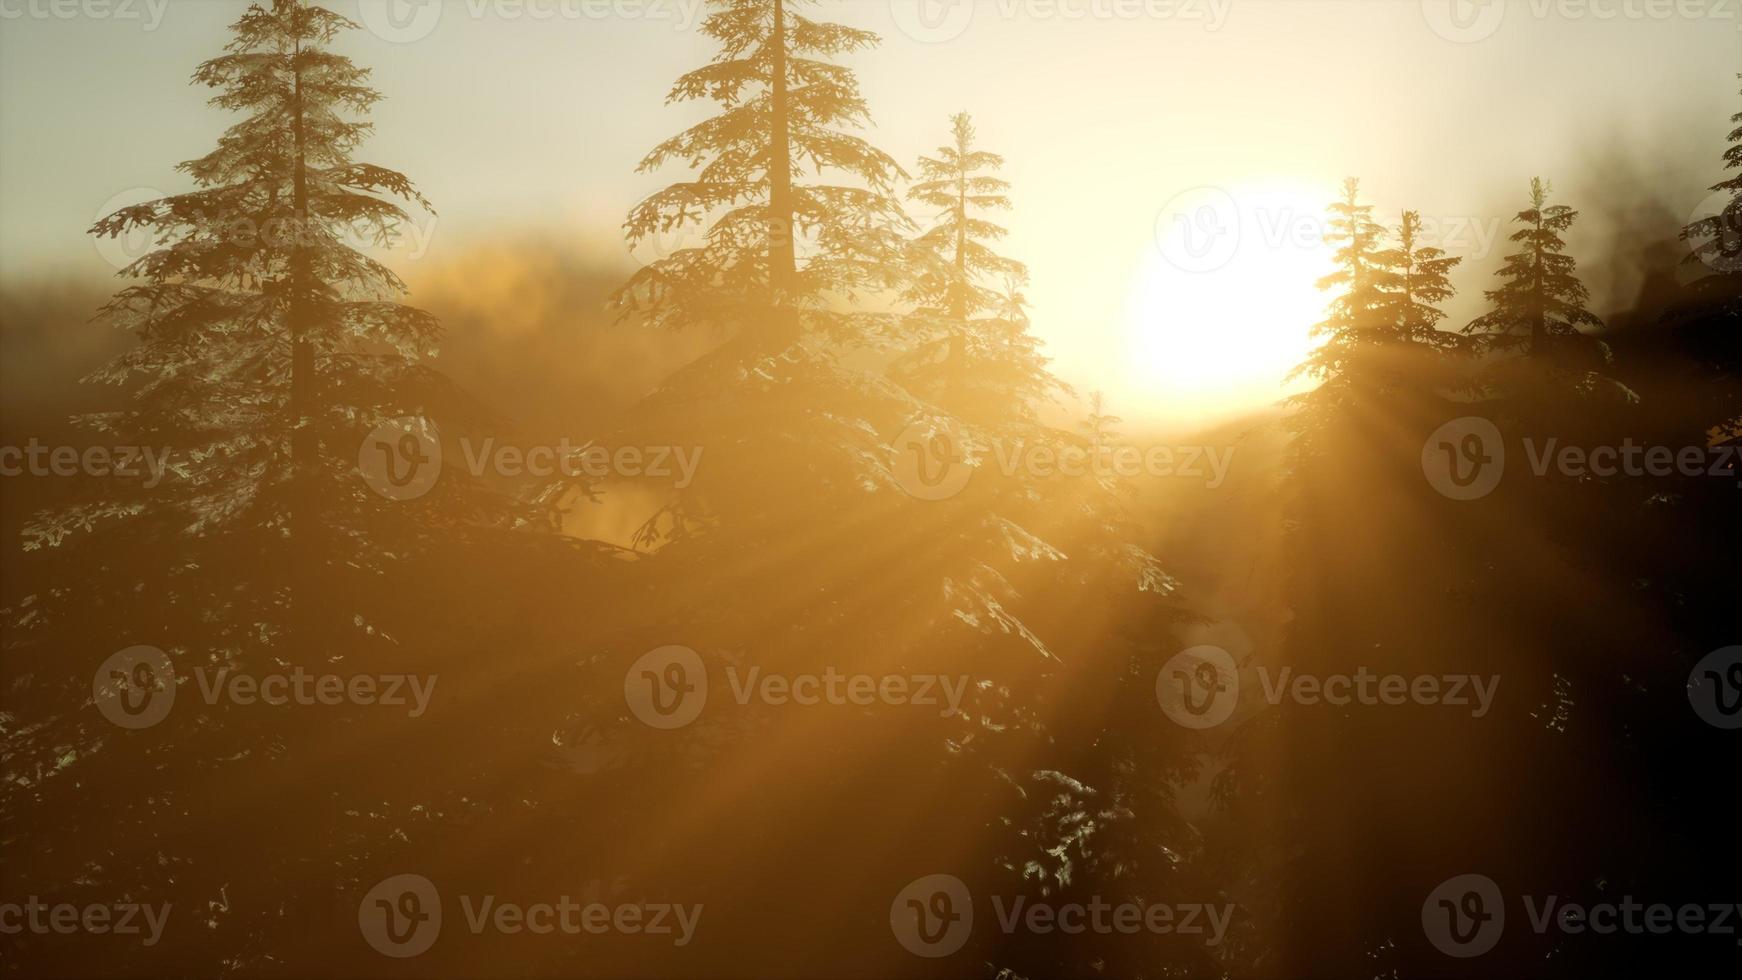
<point>267,348</point>
<point>1420,283</point>
<point>959,183</point>
<point>977,358</point>
<point>1708,320</point>
<point>796,207</point>
<point>798,543</point>
<point>1720,235</point>
<point>1360,328</point>
<point>797,220</point>
<point>1358,321</point>
<point>268,343</point>
<point>1541,304</point>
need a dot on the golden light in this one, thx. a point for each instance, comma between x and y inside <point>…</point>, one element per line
<point>1224,302</point>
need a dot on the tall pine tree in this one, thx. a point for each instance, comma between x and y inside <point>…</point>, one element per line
<point>957,274</point>
<point>1538,312</point>
<point>268,347</point>
<point>1719,236</point>
<point>1359,326</point>
<point>1540,305</point>
<point>795,205</point>
<point>1420,284</point>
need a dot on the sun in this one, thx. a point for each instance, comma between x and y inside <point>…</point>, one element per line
<point>1224,302</point>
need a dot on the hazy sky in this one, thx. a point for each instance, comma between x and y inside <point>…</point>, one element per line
<point>514,114</point>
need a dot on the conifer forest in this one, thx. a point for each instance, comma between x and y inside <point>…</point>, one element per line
<point>871,489</point>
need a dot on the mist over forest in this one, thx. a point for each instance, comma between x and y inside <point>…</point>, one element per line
<point>803,528</point>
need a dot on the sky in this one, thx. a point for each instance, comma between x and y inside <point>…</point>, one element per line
<point>1169,158</point>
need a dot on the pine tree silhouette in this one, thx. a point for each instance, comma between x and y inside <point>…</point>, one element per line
<point>1720,235</point>
<point>1420,283</point>
<point>795,206</point>
<point>1538,312</point>
<point>979,359</point>
<point>268,346</point>
<point>1361,327</point>
<point>1541,304</point>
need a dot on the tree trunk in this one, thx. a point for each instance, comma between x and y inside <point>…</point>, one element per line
<point>782,328</point>
<point>304,442</point>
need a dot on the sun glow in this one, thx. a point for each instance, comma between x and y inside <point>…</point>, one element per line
<point>1223,306</point>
